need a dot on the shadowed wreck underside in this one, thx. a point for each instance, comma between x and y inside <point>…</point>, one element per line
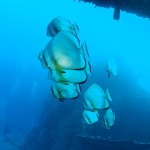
<point>97,143</point>
<point>138,7</point>
<point>66,132</point>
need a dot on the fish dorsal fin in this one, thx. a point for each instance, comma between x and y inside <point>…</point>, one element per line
<point>88,68</point>
<point>87,50</point>
<point>96,112</point>
<point>78,88</point>
<point>108,95</point>
<point>84,51</point>
<point>114,116</point>
<point>74,28</point>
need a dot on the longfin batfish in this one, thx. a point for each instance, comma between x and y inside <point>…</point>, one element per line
<point>63,52</point>
<point>59,24</point>
<point>90,117</point>
<point>109,118</point>
<point>96,97</point>
<point>64,91</point>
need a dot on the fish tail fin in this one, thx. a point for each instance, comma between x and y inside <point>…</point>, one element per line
<point>108,95</point>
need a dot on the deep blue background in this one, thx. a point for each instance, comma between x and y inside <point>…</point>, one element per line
<point>24,83</point>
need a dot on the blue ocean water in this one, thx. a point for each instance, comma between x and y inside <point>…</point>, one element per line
<point>30,117</point>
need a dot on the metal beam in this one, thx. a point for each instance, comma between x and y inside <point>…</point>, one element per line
<point>139,7</point>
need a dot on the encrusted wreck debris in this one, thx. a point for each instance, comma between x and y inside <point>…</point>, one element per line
<point>138,7</point>
<point>65,132</point>
<point>97,143</point>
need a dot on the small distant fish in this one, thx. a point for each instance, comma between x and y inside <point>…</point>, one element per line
<point>111,68</point>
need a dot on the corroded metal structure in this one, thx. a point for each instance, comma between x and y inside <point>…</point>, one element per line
<point>138,7</point>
